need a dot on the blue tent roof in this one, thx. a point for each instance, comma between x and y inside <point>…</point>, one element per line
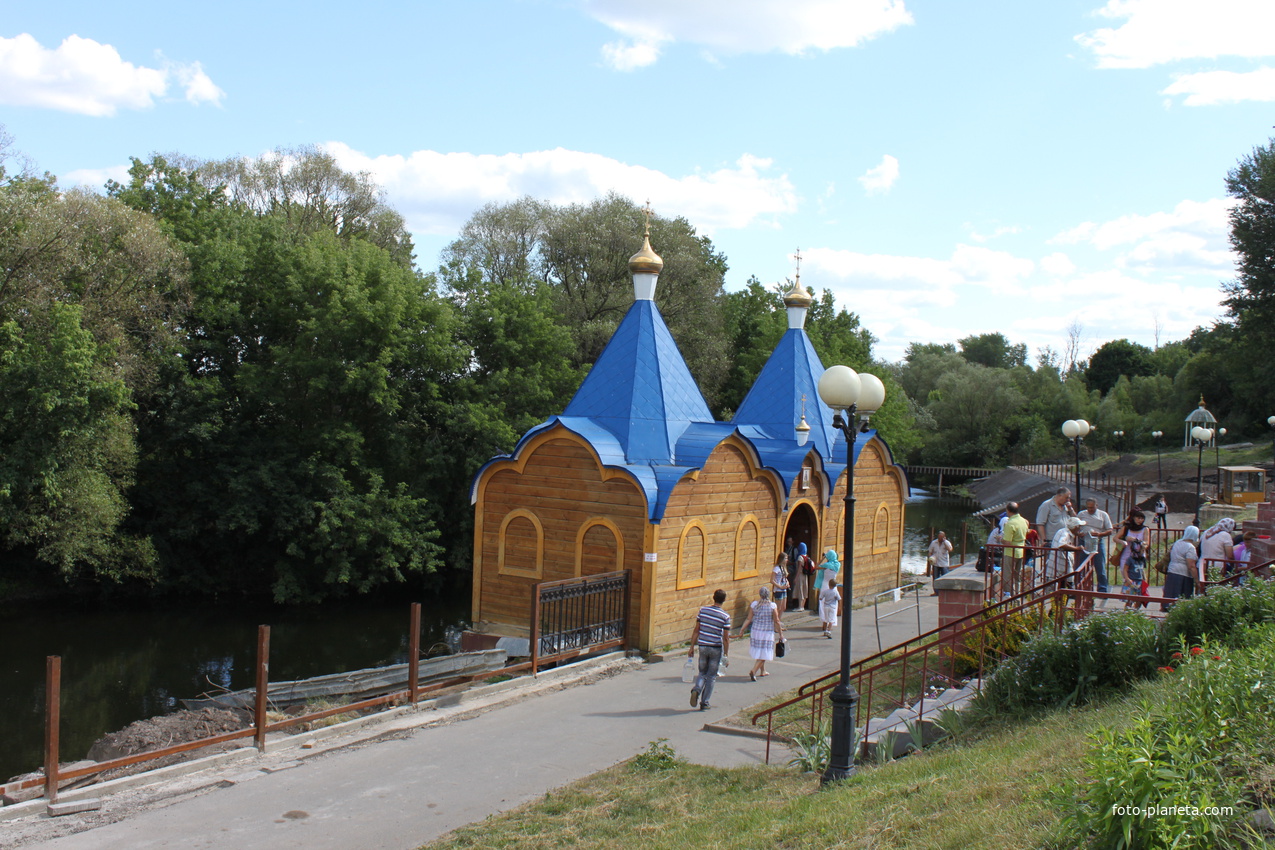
<point>640,389</point>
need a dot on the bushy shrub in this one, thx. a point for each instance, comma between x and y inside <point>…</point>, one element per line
<point>1101,653</point>
<point>1197,760</point>
<point>1219,614</point>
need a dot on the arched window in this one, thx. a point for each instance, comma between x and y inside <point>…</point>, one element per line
<point>692,556</point>
<point>747,548</point>
<point>599,548</point>
<point>881,530</point>
<point>522,545</point>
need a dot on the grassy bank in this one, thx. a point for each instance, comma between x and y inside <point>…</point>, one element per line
<point>1007,788</point>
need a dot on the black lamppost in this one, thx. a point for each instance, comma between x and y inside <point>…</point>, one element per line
<point>1119,435</point>
<point>1201,437</point>
<point>1075,430</point>
<point>1217,452</point>
<point>1159,467</point>
<point>848,394</point>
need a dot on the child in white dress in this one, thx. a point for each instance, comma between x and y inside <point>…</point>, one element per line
<point>829,605</point>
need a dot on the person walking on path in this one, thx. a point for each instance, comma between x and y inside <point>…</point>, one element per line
<point>939,554</point>
<point>828,569</point>
<point>1161,510</point>
<point>1179,582</point>
<point>1014,537</point>
<point>1098,527</point>
<point>766,628</point>
<point>712,635</point>
<point>779,580</point>
<point>829,607</point>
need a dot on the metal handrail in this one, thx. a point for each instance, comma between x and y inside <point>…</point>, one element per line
<point>943,640</point>
<point>877,616</point>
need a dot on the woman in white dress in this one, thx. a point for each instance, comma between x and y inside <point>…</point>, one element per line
<point>763,617</point>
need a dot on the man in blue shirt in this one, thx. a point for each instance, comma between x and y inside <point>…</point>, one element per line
<point>712,636</point>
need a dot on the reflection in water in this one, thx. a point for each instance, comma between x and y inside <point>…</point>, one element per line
<point>121,665</point>
<point>926,515</point>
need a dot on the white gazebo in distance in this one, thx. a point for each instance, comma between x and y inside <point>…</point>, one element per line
<point>1199,417</point>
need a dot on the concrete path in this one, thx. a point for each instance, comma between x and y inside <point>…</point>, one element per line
<point>420,782</point>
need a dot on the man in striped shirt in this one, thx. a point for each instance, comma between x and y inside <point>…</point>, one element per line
<point>712,636</point>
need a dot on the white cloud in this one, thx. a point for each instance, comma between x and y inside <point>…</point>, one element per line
<point>1209,88</point>
<point>1057,264</point>
<point>437,192</point>
<point>1004,230</point>
<point>93,178</point>
<point>968,265</point>
<point>794,27</point>
<point>1192,237</point>
<point>879,179</point>
<point>1154,32</point>
<point>623,56</point>
<point>89,78</point>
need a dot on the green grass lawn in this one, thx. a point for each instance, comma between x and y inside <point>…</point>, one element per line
<point>1007,786</point>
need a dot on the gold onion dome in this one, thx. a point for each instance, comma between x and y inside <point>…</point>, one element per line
<point>797,296</point>
<point>646,261</point>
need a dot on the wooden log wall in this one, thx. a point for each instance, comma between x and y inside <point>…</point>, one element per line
<point>552,513</point>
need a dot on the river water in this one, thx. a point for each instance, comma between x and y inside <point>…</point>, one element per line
<point>121,664</point>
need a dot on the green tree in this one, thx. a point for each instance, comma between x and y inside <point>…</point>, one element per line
<point>582,251</point>
<point>924,364</point>
<point>67,455</point>
<point>993,350</point>
<point>973,404</point>
<point>285,453</point>
<point>1115,358</point>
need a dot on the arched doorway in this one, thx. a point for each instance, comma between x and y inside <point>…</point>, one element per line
<point>802,527</point>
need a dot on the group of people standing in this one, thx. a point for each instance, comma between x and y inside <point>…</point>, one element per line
<point>795,581</point>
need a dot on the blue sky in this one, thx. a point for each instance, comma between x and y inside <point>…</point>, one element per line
<point>945,168</point>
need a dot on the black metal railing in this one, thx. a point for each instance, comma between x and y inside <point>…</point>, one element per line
<point>578,615</point>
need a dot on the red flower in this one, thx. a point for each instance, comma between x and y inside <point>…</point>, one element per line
<point>1217,658</point>
<point>1165,669</point>
<point>1196,650</point>
<point>1176,655</point>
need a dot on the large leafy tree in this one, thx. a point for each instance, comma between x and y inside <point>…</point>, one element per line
<point>90,294</point>
<point>1116,358</point>
<point>993,350</point>
<point>581,251</point>
<point>283,454</point>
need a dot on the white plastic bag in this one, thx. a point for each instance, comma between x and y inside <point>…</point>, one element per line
<point>690,670</point>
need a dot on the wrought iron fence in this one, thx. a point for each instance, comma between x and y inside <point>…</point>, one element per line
<point>574,616</point>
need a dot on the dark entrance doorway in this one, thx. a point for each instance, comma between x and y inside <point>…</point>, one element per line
<point>802,527</point>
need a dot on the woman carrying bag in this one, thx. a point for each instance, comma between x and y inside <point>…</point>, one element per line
<point>763,617</point>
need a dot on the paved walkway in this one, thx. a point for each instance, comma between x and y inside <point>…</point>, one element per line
<point>422,782</point>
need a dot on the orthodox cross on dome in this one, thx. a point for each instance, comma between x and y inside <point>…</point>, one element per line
<point>647,209</point>
<point>797,300</point>
<point>797,256</point>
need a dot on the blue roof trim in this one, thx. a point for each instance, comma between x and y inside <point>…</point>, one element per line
<point>641,390</point>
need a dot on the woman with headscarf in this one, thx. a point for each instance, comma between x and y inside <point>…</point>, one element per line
<point>1216,545</point>
<point>828,569</point>
<point>1179,582</point>
<point>800,580</point>
<point>763,616</point>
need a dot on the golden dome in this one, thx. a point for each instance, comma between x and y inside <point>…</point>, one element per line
<point>646,261</point>
<point>797,296</point>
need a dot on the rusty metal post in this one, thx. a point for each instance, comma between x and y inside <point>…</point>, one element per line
<point>52,724</point>
<point>263,678</point>
<point>535,629</point>
<point>414,653</point>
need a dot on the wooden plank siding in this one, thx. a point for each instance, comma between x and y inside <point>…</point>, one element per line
<point>555,512</point>
<point>880,494</point>
<point>590,520</point>
<point>729,500</point>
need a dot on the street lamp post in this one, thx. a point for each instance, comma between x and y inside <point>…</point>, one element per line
<point>1075,430</point>
<point>1217,451</point>
<point>1201,437</point>
<point>1159,467</point>
<point>1119,435</point>
<point>848,394</point>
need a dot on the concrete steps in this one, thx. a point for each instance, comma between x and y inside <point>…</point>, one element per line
<point>896,730</point>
